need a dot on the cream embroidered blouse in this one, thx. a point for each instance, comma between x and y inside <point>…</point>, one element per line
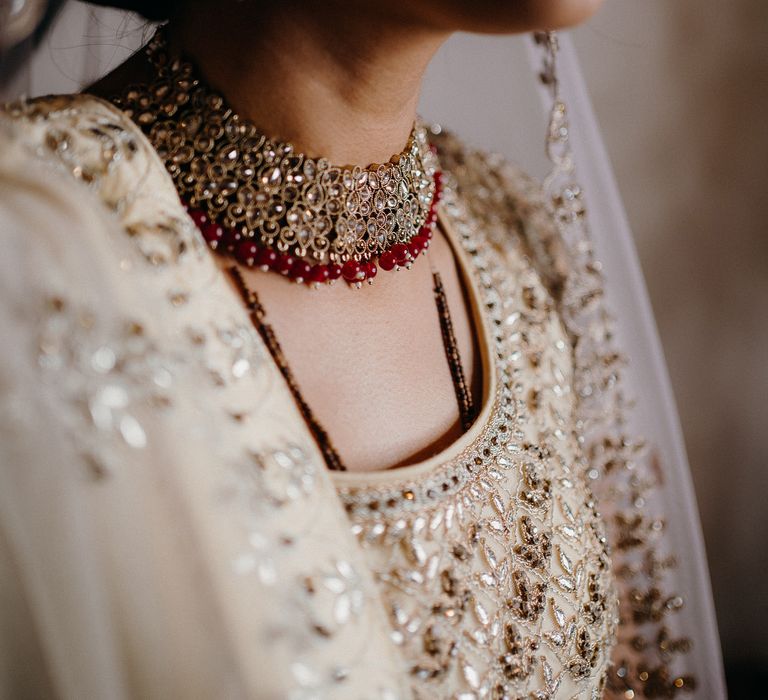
<point>167,527</point>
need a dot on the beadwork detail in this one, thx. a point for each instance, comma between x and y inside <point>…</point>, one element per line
<point>461,388</point>
<point>118,372</point>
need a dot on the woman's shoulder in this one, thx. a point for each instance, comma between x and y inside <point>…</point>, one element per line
<point>58,107</point>
<point>74,114</point>
<point>505,203</point>
<point>76,129</point>
<point>87,139</point>
<point>88,148</point>
<point>484,172</point>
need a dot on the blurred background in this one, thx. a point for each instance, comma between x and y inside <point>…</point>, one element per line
<point>681,93</point>
<point>680,90</point>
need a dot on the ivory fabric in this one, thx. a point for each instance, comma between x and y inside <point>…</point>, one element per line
<point>167,526</point>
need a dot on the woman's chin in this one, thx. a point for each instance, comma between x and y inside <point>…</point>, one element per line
<point>506,16</point>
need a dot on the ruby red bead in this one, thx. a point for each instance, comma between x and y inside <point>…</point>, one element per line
<point>230,240</point>
<point>400,251</point>
<point>387,260</point>
<point>352,271</point>
<point>420,244</point>
<point>266,258</point>
<point>284,264</point>
<point>246,252</point>
<point>213,234</point>
<point>319,274</point>
<point>370,270</point>
<point>199,217</point>
<point>300,270</point>
<point>334,271</point>
<point>426,232</point>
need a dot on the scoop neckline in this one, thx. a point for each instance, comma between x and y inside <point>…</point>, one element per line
<point>383,477</point>
<point>490,381</point>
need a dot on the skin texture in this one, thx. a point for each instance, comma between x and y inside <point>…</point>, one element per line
<point>344,83</point>
<point>342,79</point>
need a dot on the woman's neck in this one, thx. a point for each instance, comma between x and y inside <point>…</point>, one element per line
<point>343,85</point>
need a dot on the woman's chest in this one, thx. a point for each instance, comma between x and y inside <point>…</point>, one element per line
<point>372,364</point>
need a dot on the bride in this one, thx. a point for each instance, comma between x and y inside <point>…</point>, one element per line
<point>302,397</point>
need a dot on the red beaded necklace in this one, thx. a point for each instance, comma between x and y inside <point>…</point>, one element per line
<point>354,271</point>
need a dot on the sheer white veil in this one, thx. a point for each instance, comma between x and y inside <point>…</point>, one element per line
<point>487,90</point>
<point>652,416</point>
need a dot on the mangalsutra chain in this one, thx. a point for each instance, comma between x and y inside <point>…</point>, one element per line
<point>271,207</point>
<point>331,456</point>
<point>460,386</point>
<point>258,318</point>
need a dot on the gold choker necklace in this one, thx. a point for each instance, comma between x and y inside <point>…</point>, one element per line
<point>270,207</point>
